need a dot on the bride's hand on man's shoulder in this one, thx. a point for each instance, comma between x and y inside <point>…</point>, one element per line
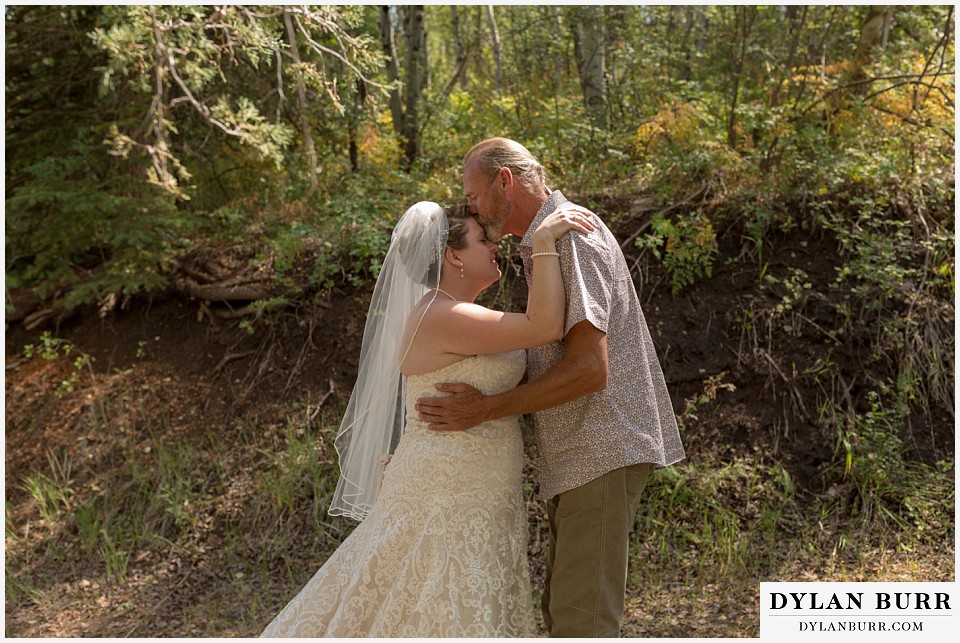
<point>563,220</point>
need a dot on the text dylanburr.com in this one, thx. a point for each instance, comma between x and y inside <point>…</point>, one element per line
<point>856,611</point>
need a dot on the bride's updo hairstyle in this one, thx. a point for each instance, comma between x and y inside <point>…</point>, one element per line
<point>457,216</point>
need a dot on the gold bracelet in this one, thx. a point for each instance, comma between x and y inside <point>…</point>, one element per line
<point>545,254</point>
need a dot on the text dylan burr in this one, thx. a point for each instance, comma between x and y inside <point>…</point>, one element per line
<point>855,601</point>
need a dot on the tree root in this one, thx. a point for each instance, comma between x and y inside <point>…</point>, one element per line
<point>230,357</point>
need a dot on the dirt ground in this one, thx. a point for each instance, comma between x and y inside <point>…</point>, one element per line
<point>201,381</point>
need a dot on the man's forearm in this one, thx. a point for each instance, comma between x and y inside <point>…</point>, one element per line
<point>582,370</point>
<point>556,386</point>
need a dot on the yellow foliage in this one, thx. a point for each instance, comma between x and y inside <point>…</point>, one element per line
<point>367,140</point>
<point>698,234</point>
<point>744,140</point>
<point>813,75</point>
<point>678,123</point>
<point>377,143</point>
<point>839,68</point>
<point>932,102</point>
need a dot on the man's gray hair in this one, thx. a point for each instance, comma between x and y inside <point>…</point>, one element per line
<point>493,154</point>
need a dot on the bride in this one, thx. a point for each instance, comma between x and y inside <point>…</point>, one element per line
<point>442,549</point>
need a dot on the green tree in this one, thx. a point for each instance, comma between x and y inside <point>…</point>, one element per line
<point>131,112</point>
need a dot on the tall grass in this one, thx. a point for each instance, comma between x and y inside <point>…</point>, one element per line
<point>297,481</point>
<point>711,520</point>
<point>888,491</point>
<point>52,491</point>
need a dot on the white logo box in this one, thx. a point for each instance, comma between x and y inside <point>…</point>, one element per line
<point>858,611</point>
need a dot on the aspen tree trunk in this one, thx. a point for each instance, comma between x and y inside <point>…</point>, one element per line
<point>497,49</point>
<point>413,86</point>
<point>358,109</point>
<point>744,18</point>
<point>458,48</point>
<point>689,20</point>
<point>615,19</point>
<point>393,68</point>
<point>588,41</point>
<point>426,79</point>
<point>558,55</point>
<point>670,29</point>
<point>159,130</point>
<point>873,37</point>
<point>302,97</point>
<point>557,51</point>
<point>874,32</point>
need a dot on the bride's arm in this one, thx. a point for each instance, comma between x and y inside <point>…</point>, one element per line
<point>583,369</point>
<point>470,329</point>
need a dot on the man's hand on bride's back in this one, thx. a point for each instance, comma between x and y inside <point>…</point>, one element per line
<point>463,409</point>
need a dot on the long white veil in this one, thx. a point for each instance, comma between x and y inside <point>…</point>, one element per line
<point>374,419</point>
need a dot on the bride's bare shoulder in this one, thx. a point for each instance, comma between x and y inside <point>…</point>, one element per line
<point>421,334</point>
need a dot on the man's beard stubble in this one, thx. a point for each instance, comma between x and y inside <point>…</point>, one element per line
<point>493,224</point>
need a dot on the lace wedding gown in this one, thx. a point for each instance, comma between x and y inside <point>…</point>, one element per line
<point>443,553</point>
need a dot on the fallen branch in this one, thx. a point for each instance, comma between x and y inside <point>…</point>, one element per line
<point>196,273</point>
<point>239,313</point>
<point>230,290</point>
<point>23,305</point>
<point>41,317</point>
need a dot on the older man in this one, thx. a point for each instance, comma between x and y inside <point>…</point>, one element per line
<point>602,414</point>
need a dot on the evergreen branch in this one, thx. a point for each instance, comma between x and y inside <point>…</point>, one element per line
<point>253,15</point>
<point>188,95</point>
<point>320,49</point>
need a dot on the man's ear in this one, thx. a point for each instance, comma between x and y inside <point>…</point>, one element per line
<point>505,177</point>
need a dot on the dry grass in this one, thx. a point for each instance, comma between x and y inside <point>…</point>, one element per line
<point>155,527</point>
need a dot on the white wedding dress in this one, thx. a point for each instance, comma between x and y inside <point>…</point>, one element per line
<point>443,552</point>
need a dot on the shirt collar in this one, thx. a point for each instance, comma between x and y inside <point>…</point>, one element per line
<point>554,201</point>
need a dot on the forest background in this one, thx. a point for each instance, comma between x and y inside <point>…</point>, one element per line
<point>197,199</point>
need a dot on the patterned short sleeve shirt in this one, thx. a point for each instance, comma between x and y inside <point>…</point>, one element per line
<point>631,420</point>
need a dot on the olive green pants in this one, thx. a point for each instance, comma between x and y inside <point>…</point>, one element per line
<point>586,570</point>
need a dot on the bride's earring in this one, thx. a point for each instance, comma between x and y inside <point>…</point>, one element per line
<point>461,270</point>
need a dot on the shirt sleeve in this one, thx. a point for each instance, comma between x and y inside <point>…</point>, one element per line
<point>587,279</point>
